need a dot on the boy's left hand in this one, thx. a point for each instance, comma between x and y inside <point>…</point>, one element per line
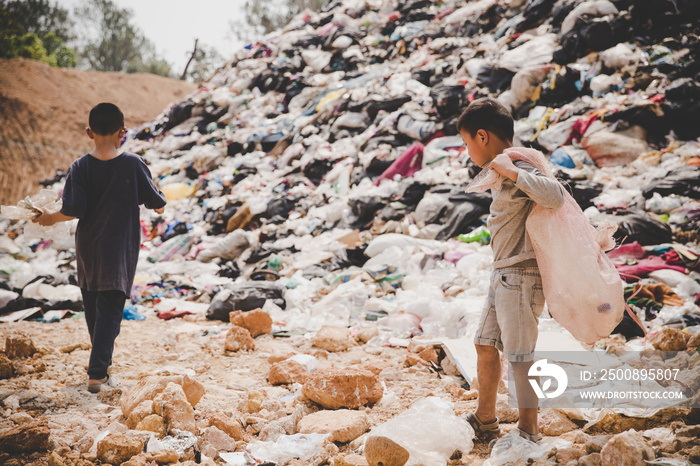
<point>46,219</point>
<point>503,165</point>
<point>159,211</point>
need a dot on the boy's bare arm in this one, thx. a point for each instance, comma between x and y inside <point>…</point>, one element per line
<point>51,218</point>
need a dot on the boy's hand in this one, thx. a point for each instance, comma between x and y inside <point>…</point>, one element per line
<point>46,219</point>
<point>503,165</point>
<point>159,211</point>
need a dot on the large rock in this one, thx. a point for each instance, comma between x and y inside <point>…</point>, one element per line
<point>628,448</point>
<point>238,338</point>
<point>287,372</point>
<point>7,370</point>
<point>612,150</point>
<point>670,339</point>
<point>257,321</point>
<point>333,338</point>
<point>178,413</point>
<point>593,459</point>
<point>118,448</point>
<point>29,437</point>
<point>343,425</point>
<point>149,387</point>
<point>343,388</point>
<point>219,439</point>
<point>19,345</point>
<point>232,427</point>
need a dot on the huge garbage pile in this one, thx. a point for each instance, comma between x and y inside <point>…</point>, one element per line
<point>319,175</point>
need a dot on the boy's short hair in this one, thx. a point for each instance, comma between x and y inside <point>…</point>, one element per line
<point>105,119</point>
<point>487,114</point>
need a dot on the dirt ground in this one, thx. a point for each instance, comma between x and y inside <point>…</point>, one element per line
<point>44,113</point>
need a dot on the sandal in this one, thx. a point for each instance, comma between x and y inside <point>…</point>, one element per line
<point>535,438</point>
<point>94,386</point>
<point>484,431</point>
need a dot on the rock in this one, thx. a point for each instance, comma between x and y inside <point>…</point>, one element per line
<point>429,355</point>
<point>367,333</point>
<point>7,370</point>
<point>139,413</point>
<point>118,448</point>
<point>138,460</point>
<point>343,425</point>
<point>690,431</point>
<point>280,356</point>
<point>55,459</point>
<point>670,339</point>
<point>178,413</point>
<point>382,451</point>
<point>19,345</point>
<point>232,427</point>
<point>414,360</point>
<point>596,443</point>
<point>694,455</point>
<point>257,321</point>
<point>333,338</point>
<point>553,423</point>
<point>505,413</point>
<point>613,150</point>
<point>153,423</point>
<point>21,418</point>
<point>287,372</point>
<point>238,338</point>
<point>566,455</point>
<point>73,347</point>
<point>29,437</point>
<point>219,439</point>
<point>165,456</point>
<point>350,460</point>
<point>593,459</point>
<point>254,402</point>
<point>343,388</point>
<point>694,340</point>
<point>628,448</point>
<point>149,387</point>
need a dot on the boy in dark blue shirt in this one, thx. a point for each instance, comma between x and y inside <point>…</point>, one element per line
<point>104,190</point>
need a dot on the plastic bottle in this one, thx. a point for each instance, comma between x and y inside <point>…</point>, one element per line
<point>480,234</point>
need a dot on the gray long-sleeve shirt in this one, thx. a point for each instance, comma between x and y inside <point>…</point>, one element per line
<point>509,210</point>
<point>105,195</point>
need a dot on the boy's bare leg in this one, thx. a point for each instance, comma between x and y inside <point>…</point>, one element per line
<point>488,372</point>
<point>527,399</point>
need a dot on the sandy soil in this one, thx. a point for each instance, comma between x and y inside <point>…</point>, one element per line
<point>44,114</point>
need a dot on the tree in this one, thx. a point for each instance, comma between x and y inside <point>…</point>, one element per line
<point>113,43</point>
<point>264,16</point>
<point>206,61</point>
<point>36,29</point>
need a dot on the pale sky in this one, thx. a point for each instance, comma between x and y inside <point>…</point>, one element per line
<point>173,25</point>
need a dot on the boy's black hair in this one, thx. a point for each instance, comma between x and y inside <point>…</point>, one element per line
<point>105,119</point>
<point>487,114</point>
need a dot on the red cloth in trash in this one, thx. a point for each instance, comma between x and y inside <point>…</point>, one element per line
<point>580,127</point>
<point>627,251</point>
<point>406,165</point>
<point>171,314</point>
<point>644,266</point>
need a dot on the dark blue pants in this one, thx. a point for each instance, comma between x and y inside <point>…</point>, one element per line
<point>103,313</point>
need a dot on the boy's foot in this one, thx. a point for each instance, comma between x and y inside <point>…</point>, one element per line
<point>483,430</point>
<point>531,437</point>
<point>95,385</point>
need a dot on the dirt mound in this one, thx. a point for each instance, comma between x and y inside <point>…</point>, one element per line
<point>44,114</point>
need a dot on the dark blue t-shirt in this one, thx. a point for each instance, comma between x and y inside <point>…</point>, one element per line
<point>105,196</point>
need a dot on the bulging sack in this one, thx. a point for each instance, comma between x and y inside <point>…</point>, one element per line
<point>582,288</point>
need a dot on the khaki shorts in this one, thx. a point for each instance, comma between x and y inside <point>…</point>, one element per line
<point>511,313</point>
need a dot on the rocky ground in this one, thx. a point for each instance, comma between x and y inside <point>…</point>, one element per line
<point>178,374</point>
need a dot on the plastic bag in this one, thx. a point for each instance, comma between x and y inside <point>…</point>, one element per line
<point>288,447</point>
<point>582,288</point>
<point>244,297</point>
<point>229,247</point>
<point>429,431</point>
<point>513,449</point>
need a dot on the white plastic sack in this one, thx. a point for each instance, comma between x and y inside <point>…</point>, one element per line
<point>536,51</point>
<point>581,285</point>
<point>229,247</point>
<point>556,135</point>
<point>620,55</point>
<point>288,447</point>
<point>513,449</point>
<point>429,431</point>
<point>316,59</point>
<point>594,8</point>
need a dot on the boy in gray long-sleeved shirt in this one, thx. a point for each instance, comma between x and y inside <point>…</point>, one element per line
<point>515,300</point>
